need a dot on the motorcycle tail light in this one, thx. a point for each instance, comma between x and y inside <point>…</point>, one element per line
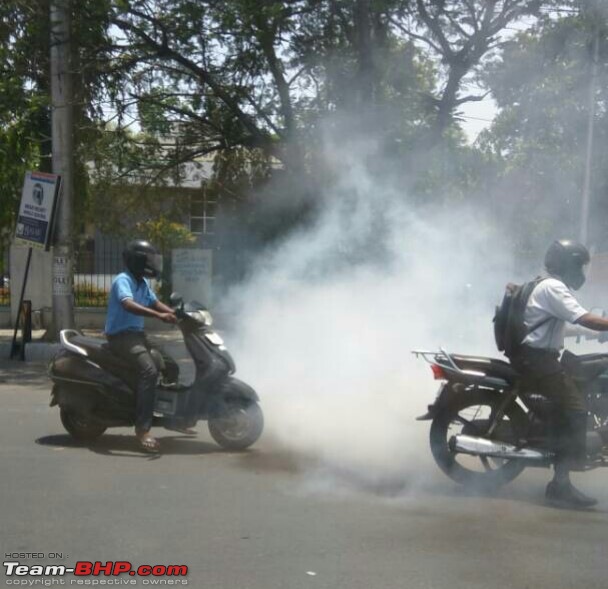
<point>438,373</point>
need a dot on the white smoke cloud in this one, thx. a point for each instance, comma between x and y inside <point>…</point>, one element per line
<point>325,325</point>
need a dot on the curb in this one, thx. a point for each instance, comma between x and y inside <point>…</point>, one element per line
<point>34,352</point>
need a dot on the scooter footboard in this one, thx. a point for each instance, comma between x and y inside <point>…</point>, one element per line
<point>172,401</point>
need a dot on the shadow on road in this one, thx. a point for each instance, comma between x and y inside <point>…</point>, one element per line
<point>127,446</point>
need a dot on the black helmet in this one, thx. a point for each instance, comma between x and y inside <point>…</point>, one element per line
<point>567,260</point>
<point>142,259</point>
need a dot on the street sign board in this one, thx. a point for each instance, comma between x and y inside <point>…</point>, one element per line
<point>191,274</point>
<point>37,210</point>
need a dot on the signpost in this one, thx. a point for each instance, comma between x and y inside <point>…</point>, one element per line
<point>34,227</point>
<point>191,274</point>
<point>37,209</point>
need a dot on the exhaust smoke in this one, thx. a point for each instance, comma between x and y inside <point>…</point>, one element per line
<point>325,324</point>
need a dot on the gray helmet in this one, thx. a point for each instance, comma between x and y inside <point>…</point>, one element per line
<point>142,259</point>
<point>567,259</point>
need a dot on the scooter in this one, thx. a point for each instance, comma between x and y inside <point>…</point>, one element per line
<point>94,389</point>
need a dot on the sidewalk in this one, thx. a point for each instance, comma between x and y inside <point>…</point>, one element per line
<point>40,352</point>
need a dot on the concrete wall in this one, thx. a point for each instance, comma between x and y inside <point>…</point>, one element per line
<point>5,318</point>
<point>39,283</point>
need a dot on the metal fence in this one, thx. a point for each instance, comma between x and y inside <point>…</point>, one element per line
<point>5,281</point>
<point>97,261</point>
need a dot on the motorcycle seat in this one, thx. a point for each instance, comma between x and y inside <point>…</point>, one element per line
<point>492,367</point>
<point>585,367</point>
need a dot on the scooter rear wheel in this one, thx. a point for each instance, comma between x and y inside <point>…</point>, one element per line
<point>239,426</point>
<point>80,427</point>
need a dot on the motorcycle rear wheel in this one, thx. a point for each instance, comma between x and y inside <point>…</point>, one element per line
<point>239,426</point>
<point>80,427</point>
<point>469,413</point>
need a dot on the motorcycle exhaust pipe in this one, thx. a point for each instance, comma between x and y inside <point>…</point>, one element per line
<point>476,446</point>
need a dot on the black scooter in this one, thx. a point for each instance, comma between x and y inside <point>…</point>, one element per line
<point>95,389</point>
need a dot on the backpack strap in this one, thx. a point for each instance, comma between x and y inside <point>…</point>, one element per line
<point>539,324</point>
<point>542,322</point>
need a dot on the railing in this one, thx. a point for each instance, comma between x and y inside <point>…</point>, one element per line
<point>97,261</point>
<point>5,282</point>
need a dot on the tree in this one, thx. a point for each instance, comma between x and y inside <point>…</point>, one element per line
<point>538,140</point>
<point>462,36</point>
<point>24,90</point>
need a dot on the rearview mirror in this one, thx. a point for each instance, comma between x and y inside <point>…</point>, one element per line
<point>175,300</point>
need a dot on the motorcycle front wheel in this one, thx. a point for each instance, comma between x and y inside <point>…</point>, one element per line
<point>80,427</point>
<point>238,426</point>
<point>470,413</point>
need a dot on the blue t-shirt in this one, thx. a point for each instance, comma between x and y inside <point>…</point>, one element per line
<point>125,286</point>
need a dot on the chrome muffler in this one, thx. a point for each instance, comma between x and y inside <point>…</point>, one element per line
<point>495,449</point>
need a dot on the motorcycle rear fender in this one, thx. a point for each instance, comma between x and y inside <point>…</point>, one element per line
<point>444,394</point>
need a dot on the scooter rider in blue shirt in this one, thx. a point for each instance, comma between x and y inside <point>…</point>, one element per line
<point>131,300</point>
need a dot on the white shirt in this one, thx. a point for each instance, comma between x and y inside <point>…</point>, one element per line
<point>550,298</point>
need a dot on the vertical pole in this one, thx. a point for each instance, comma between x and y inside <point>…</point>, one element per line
<point>14,346</point>
<point>62,130</point>
<point>586,197</point>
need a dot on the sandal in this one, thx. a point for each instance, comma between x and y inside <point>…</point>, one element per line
<point>149,444</point>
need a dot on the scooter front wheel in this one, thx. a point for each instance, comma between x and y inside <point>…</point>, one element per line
<point>238,426</point>
<point>80,427</point>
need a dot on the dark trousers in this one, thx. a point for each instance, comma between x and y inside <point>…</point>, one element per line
<point>134,346</point>
<point>542,373</point>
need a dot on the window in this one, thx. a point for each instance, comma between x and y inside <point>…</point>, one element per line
<point>202,213</point>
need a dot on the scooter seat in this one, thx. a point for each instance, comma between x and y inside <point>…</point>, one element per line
<point>99,351</point>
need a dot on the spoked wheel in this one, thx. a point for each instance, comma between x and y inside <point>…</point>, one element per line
<point>470,413</point>
<point>80,427</point>
<point>239,426</point>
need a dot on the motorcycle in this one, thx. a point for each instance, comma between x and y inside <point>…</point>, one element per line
<point>486,429</point>
<point>94,389</point>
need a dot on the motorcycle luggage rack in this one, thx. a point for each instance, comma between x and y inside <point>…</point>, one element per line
<point>468,376</point>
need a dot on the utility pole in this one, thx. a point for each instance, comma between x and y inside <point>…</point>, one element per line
<point>586,196</point>
<point>62,134</point>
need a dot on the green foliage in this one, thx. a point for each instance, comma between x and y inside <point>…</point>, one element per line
<point>25,121</point>
<point>538,140</point>
<point>260,85</point>
<point>89,295</point>
<point>164,233</point>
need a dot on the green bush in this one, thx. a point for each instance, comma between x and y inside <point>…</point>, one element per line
<point>87,295</point>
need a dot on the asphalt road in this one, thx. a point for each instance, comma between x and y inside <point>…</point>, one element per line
<point>269,519</point>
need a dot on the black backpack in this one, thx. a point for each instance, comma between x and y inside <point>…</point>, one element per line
<point>509,328</point>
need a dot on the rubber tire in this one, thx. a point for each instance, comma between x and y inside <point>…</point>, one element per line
<point>445,458</point>
<point>78,427</point>
<point>254,431</point>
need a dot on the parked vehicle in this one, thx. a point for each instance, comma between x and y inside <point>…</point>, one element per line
<point>485,429</point>
<point>94,389</point>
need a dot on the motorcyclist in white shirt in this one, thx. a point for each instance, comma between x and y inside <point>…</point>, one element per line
<point>551,305</point>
